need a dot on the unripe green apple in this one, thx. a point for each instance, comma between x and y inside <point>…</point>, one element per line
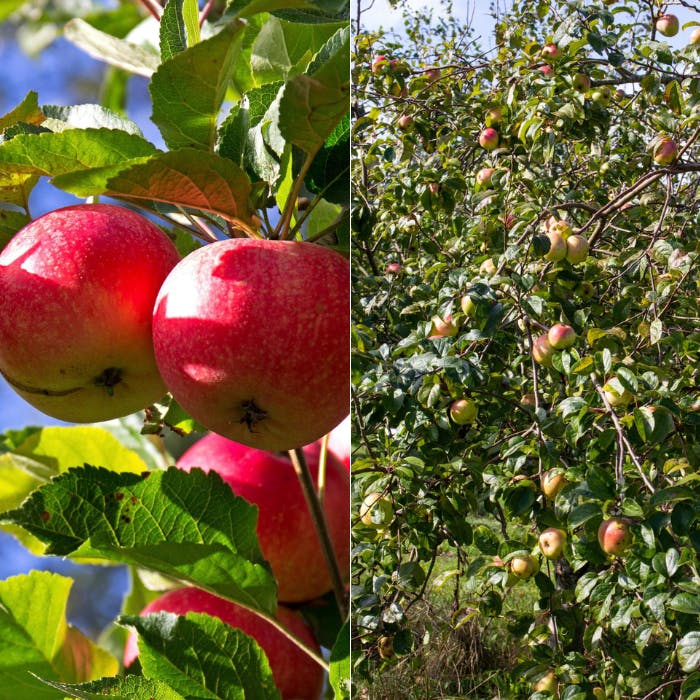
<point>576,248</point>
<point>614,536</point>
<point>468,306</point>
<point>542,351</point>
<point>488,138</point>
<point>665,151</point>
<point>442,328</point>
<point>463,411</point>
<point>581,82</point>
<point>494,116</point>
<point>552,542</point>
<point>557,246</point>
<point>524,567</point>
<point>553,482</point>
<point>547,684</point>
<point>561,336</point>
<point>667,25</point>
<point>376,510</point>
<point>602,96</point>
<point>616,398</point>
<point>77,288</point>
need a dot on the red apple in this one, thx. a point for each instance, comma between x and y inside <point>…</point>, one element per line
<point>553,482</point>
<point>551,52</point>
<point>552,542</point>
<point>667,25</point>
<point>557,246</point>
<point>378,63</point>
<point>252,337</point>
<point>576,248</point>
<point>665,150</point>
<point>393,268</point>
<point>463,411</point>
<point>442,328</point>
<point>614,536</point>
<point>546,70</point>
<point>376,510</point>
<point>524,567</point>
<point>561,336</point>
<point>287,537</point>
<point>296,674</point>
<point>488,138</point>
<point>339,441</point>
<point>483,177</point>
<point>77,288</point>
<point>542,351</point>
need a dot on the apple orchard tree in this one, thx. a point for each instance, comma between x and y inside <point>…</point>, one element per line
<point>210,292</point>
<point>547,180</point>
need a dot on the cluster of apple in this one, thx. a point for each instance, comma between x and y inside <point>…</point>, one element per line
<point>99,317</point>
<point>564,244</point>
<point>559,337</point>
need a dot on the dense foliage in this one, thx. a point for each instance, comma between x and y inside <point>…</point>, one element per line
<point>580,126</point>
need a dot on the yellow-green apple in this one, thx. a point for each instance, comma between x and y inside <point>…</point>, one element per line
<point>602,96</point>
<point>376,510</point>
<point>617,397</point>
<point>484,176</point>
<point>665,150</point>
<point>576,248</point>
<point>552,542</point>
<point>295,673</point>
<point>561,336</point>
<point>585,290</point>
<point>339,441</point>
<point>581,82</point>
<point>463,411</point>
<point>379,62</point>
<point>405,122</point>
<point>251,337</point>
<point>667,25</point>
<point>547,683</point>
<point>560,226</point>
<point>488,138</point>
<point>468,306</point>
<point>285,531</point>
<point>442,328</point>
<point>77,287</point>
<point>614,536</point>
<point>557,246</point>
<point>524,567</point>
<point>542,350</point>
<point>551,52</point>
<point>553,481</point>
<point>488,267</point>
<point>695,36</point>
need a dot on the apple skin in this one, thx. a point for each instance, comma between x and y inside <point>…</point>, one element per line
<point>665,151</point>
<point>376,510</point>
<point>542,350</point>
<point>524,567</point>
<point>616,399</point>
<point>557,247</point>
<point>552,542</point>
<point>576,248</point>
<point>393,268</point>
<point>251,337</point>
<point>77,287</point>
<point>488,139</point>
<point>378,63</point>
<point>546,70</point>
<point>297,676</point>
<point>442,328</point>
<point>602,96</point>
<point>484,176</point>
<point>488,267</point>
<point>463,411</point>
<point>552,483</point>
<point>286,534</point>
<point>667,25</point>
<point>614,536</point>
<point>561,336</point>
<point>339,441</point>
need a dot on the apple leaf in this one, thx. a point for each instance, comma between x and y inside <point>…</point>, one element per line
<point>329,171</point>
<point>313,104</point>
<point>122,688</point>
<point>186,525</point>
<point>179,22</point>
<point>87,116</point>
<point>105,47</point>
<point>339,676</point>
<point>26,112</point>
<point>202,657</point>
<point>11,221</point>
<point>189,88</point>
<point>688,651</point>
<point>37,639</point>
<point>15,188</point>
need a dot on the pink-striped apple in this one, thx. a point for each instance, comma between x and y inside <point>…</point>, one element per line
<point>614,536</point>
<point>546,70</point>
<point>286,534</point>
<point>488,138</point>
<point>463,411</point>
<point>378,63</point>
<point>483,177</point>
<point>251,337</point>
<point>77,287</point>
<point>542,350</point>
<point>552,542</point>
<point>665,150</point>
<point>667,25</point>
<point>295,673</point>
<point>561,336</point>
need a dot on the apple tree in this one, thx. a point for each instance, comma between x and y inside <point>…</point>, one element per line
<point>244,195</point>
<point>526,308</point>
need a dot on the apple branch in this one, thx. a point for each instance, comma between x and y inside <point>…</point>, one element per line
<point>321,526</point>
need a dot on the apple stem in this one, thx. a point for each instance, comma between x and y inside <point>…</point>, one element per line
<point>321,526</point>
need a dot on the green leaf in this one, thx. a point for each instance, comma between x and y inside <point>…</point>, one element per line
<point>188,89</point>
<point>179,27</point>
<point>26,112</point>
<point>8,7</point>
<point>11,221</point>
<point>105,47</point>
<point>36,638</point>
<point>688,651</point>
<point>313,104</point>
<point>87,116</point>
<point>186,525</point>
<point>690,690</point>
<point>123,688</point>
<point>202,657</point>
<point>686,603</point>
<point>339,677</point>
<point>328,174</point>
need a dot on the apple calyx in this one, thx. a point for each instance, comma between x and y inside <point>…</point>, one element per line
<point>252,414</point>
